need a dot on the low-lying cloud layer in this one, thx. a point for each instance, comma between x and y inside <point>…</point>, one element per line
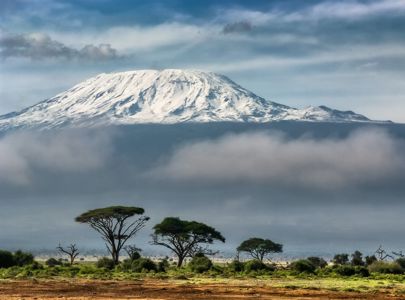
<point>27,155</point>
<point>316,186</point>
<point>39,46</point>
<point>365,157</point>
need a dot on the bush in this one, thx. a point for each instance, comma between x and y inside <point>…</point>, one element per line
<point>125,265</point>
<point>200,264</point>
<point>401,262</point>
<point>23,258</point>
<point>345,270</point>
<point>362,271</point>
<point>53,262</point>
<point>317,262</point>
<point>6,259</point>
<point>349,270</point>
<point>303,266</point>
<point>236,266</point>
<point>106,263</point>
<point>341,259</point>
<point>163,265</point>
<point>142,265</point>
<point>386,267</point>
<point>370,260</point>
<point>255,265</point>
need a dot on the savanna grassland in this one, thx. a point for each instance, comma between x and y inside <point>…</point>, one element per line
<point>89,281</point>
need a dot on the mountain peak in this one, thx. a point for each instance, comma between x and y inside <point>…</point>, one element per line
<point>162,96</point>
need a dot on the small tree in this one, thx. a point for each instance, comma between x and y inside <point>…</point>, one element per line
<point>370,260</point>
<point>184,238</point>
<point>357,258</point>
<point>259,248</point>
<point>112,223</point>
<point>133,252</point>
<point>341,259</point>
<point>70,251</point>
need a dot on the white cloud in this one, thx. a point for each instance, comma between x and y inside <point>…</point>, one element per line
<point>364,157</point>
<point>347,9</point>
<point>70,151</point>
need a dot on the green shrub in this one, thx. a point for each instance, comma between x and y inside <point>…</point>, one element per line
<point>23,258</point>
<point>35,266</point>
<point>236,266</point>
<point>143,264</point>
<point>386,267</point>
<point>53,262</point>
<point>341,259</point>
<point>349,270</point>
<point>255,265</point>
<point>345,270</point>
<point>125,265</point>
<point>362,271</point>
<point>317,262</point>
<point>401,262</point>
<point>370,259</point>
<point>303,266</point>
<point>6,259</point>
<point>200,264</point>
<point>163,265</point>
<point>106,263</point>
<point>135,255</point>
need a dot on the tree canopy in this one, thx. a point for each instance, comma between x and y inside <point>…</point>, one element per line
<point>114,225</point>
<point>258,248</point>
<point>184,238</point>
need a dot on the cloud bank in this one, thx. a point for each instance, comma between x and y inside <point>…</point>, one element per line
<point>365,157</point>
<point>26,155</point>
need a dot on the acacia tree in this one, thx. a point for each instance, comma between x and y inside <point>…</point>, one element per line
<point>258,248</point>
<point>70,251</point>
<point>184,238</point>
<point>114,226</point>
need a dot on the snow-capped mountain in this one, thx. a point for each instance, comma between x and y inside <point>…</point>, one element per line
<point>167,96</point>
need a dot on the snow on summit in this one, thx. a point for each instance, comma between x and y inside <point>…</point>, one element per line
<point>166,96</point>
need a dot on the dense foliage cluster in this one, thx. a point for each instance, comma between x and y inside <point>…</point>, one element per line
<point>18,258</point>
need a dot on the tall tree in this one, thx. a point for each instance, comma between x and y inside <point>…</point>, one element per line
<point>184,238</point>
<point>259,248</point>
<point>114,225</point>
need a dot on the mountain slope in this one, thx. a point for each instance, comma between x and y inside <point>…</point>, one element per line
<point>167,96</point>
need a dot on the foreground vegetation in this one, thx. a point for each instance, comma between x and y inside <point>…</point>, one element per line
<point>189,240</point>
<point>21,265</point>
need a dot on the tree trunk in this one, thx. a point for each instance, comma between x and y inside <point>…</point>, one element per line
<point>115,257</point>
<point>180,261</point>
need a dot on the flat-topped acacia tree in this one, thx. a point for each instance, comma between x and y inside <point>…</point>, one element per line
<point>184,238</point>
<point>259,248</point>
<point>114,225</point>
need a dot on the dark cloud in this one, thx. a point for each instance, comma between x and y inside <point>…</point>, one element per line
<point>39,46</point>
<point>237,27</point>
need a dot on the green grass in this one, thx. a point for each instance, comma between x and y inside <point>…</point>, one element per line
<point>219,274</point>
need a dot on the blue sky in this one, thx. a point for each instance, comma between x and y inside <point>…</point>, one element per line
<point>344,54</point>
